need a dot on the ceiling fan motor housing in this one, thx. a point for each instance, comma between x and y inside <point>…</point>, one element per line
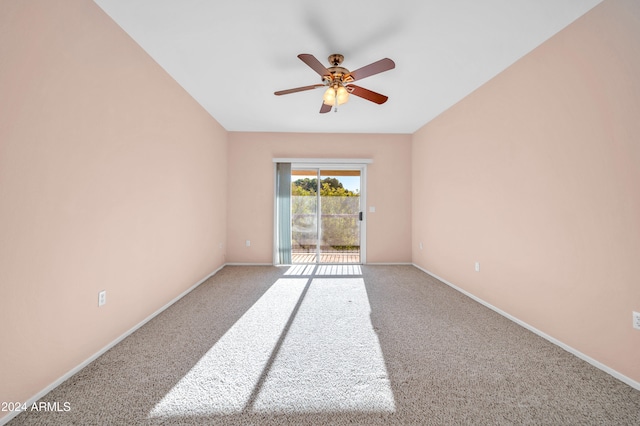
<point>339,75</point>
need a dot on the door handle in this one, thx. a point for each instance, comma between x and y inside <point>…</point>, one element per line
<point>360,216</point>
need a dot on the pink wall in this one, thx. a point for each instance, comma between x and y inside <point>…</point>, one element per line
<point>107,170</point>
<point>536,175</point>
<point>251,193</point>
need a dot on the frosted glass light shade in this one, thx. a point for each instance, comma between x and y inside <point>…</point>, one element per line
<point>330,95</point>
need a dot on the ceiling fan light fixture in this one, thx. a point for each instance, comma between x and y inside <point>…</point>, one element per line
<point>336,77</point>
<point>332,93</point>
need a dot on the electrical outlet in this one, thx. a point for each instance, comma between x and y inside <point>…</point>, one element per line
<point>421,246</point>
<point>477,266</point>
<point>636,320</point>
<point>248,243</point>
<point>102,297</point>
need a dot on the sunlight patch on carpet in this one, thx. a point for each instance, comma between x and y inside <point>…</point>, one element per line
<point>331,358</point>
<point>302,347</point>
<point>224,379</point>
<point>300,270</point>
<point>339,270</point>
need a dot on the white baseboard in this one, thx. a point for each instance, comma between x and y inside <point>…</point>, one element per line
<point>95,356</point>
<point>597,364</point>
<point>387,263</point>
<point>248,264</point>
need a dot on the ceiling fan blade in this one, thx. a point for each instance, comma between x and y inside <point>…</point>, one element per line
<point>377,67</point>
<point>325,108</point>
<point>315,64</point>
<point>298,89</point>
<point>367,94</point>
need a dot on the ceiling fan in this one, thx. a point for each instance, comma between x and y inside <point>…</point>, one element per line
<point>338,81</point>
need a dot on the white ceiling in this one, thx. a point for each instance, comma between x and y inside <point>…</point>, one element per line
<point>232,55</point>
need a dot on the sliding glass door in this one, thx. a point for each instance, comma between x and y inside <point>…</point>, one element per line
<point>326,215</point>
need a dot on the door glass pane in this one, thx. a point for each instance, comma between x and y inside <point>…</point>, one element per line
<point>304,213</point>
<point>339,216</point>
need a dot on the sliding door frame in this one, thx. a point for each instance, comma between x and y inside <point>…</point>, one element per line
<point>328,164</point>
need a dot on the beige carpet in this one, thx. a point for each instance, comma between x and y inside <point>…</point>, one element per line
<point>340,345</point>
